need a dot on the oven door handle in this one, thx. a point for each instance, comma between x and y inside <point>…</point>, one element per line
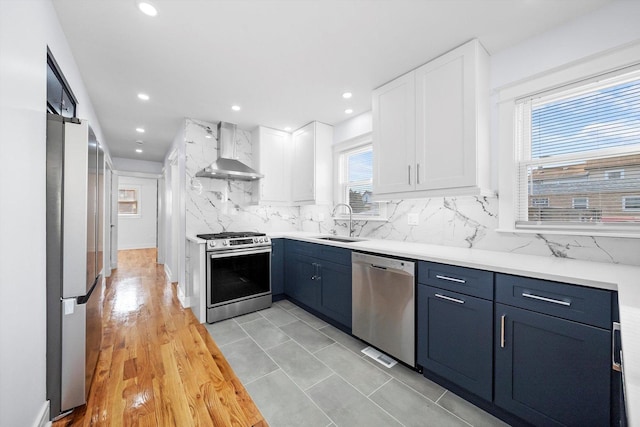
<point>237,252</point>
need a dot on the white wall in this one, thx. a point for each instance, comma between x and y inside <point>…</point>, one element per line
<point>472,221</point>
<point>132,165</point>
<point>139,232</point>
<point>356,126</point>
<point>26,28</point>
<point>607,28</point>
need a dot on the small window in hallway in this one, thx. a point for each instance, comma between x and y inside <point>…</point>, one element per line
<point>128,201</point>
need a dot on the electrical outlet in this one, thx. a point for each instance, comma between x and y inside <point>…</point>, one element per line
<point>412,219</point>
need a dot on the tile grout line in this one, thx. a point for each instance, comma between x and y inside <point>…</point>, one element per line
<point>291,379</point>
<point>385,383</point>
<point>364,395</point>
<point>333,372</point>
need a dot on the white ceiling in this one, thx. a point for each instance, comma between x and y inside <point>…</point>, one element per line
<point>285,62</point>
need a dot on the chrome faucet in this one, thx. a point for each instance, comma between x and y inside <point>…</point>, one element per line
<point>350,215</point>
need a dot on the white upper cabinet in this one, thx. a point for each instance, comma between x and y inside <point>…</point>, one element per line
<point>312,166</point>
<point>272,153</point>
<point>394,135</point>
<point>430,128</point>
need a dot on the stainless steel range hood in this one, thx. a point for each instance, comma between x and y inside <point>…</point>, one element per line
<point>227,166</point>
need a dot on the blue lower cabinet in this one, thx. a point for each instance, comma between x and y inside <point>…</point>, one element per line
<point>300,279</point>
<point>551,371</point>
<point>335,294</point>
<point>277,266</point>
<point>319,277</point>
<point>455,338</point>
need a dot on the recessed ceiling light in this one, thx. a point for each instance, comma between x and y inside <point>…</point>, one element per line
<point>235,107</point>
<point>143,96</point>
<point>348,111</point>
<point>347,95</point>
<point>138,150</point>
<point>140,130</point>
<point>147,8</point>
<point>288,129</point>
<point>139,142</point>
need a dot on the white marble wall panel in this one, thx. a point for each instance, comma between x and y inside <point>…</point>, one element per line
<point>216,205</point>
<point>220,205</point>
<point>472,222</point>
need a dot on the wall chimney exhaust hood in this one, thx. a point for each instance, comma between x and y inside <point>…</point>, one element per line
<point>227,166</point>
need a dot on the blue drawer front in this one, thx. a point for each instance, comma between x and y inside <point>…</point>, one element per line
<point>572,302</point>
<point>468,281</point>
<point>319,251</point>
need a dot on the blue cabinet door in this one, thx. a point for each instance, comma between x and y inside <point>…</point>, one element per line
<point>301,282</point>
<point>455,338</point>
<point>335,294</point>
<point>550,371</point>
<point>277,266</point>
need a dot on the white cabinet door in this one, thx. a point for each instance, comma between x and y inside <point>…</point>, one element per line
<point>394,136</point>
<point>303,176</point>
<point>446,121</point>
<point>275,165</point>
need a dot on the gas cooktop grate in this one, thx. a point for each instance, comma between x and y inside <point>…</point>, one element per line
<point>230,235</point>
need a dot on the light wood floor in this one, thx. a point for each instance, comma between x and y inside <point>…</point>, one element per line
<point>158,365</point>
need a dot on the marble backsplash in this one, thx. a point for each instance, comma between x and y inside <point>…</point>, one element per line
<point>219,205</point>
<point>216,205</point>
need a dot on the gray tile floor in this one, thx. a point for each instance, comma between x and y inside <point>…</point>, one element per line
<point>301,371</point>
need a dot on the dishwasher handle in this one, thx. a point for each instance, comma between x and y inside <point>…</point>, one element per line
<point>384,264</point>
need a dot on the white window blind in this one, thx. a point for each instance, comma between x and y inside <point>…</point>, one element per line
<point>579,151</point>
<point>357,181</point>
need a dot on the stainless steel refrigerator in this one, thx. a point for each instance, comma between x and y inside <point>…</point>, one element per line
<point>75,165</point>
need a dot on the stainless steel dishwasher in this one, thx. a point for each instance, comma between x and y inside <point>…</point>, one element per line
<point>384,304</point>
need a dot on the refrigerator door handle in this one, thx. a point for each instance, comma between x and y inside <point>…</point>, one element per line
<point>73,354</point>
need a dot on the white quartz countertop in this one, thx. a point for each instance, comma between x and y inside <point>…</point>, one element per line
<point>622,278</point>
<point>197,240</point>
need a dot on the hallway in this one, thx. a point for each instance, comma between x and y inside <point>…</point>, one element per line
<point>158,365</point>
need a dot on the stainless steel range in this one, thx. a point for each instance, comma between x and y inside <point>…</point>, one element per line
<point>238,274</point>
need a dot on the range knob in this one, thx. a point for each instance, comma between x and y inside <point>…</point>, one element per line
<point>224,243</point>
<point>212,244</point>
<point>266,240</point>
<point>261,240</point>
<point>255,240</point>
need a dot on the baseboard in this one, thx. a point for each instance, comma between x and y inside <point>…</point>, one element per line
<point>142,246</point>
<point>43,419</point>
<point>184,300</point>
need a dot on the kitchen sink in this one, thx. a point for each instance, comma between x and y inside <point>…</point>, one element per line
<point>341,239</point>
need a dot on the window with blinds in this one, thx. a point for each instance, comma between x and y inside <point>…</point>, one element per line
<point>356,181</point>
<point>128,201</point>
<point>579,156</point>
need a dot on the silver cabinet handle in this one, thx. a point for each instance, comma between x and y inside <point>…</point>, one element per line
<point>417,173</point>
<point>315,271</point>
<point>616,366</point>
<point>409,173</point>
<point>459,301</point>
<point>451,279</point>
<point>551,300</point>
<point>318,271</point>
<point>502,321</point>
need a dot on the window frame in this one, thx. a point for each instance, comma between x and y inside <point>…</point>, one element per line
<point>138,200</point>
<point>544,204</point>
<point>618,61</point>
<point>619,170</point>
<point>359,143</point>
<point>624,203</point>
<point>584,205</point>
